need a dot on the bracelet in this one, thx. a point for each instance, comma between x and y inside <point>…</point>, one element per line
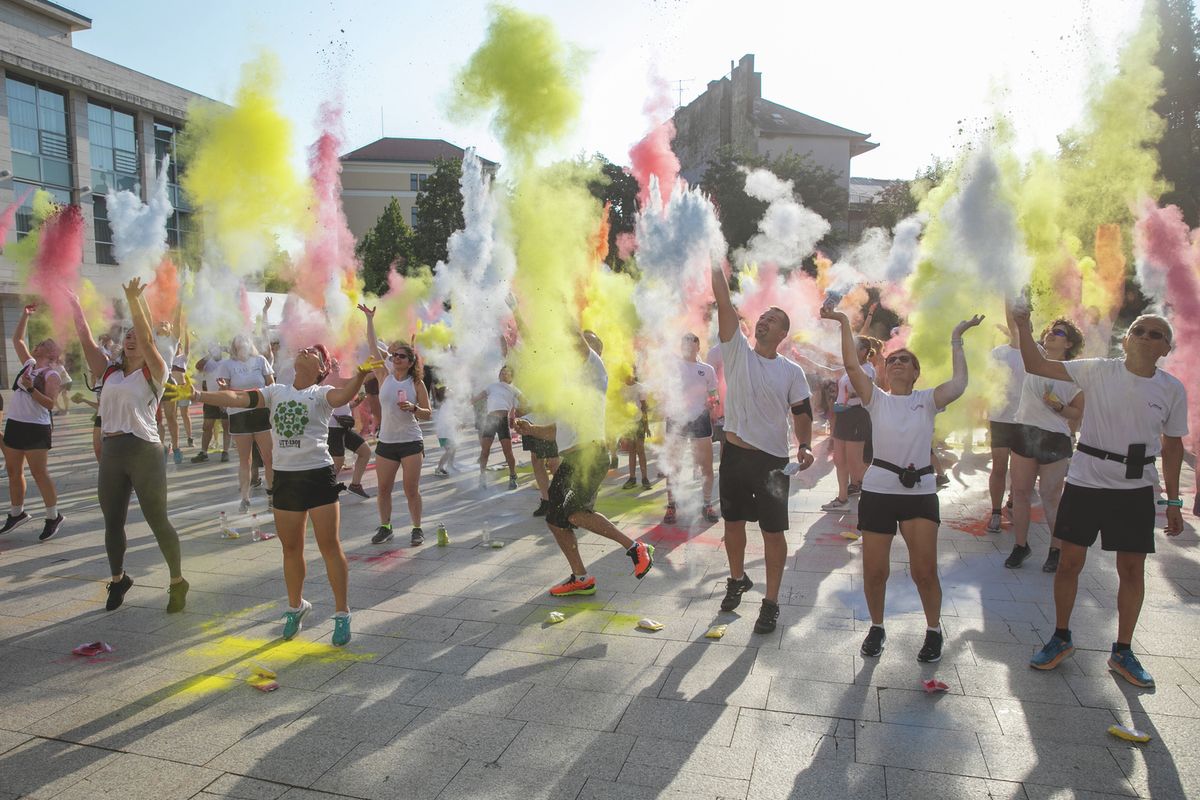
<point>956,342</point>
<point>1175,503</point>
<point>804,447</point>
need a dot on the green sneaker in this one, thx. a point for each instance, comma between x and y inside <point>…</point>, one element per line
<point>341,630</point>
<point>292,620</point>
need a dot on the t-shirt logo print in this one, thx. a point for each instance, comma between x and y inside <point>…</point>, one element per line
<point>290,419</point>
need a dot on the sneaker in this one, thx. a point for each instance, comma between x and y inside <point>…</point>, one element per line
<point>256,482</point>
<point>1051,564</point>
<point>932,649</point>
<point>993,525</point>
<point>835,504</point>
<point>734,589</point>
<point>382,535</point>
<point>417,538</point>
<point>642,555</point>
<point>441,473</point>
<point>243,506</point>
<point>116,592</point>
<point>357,488</point>
<point>854,488</point>
<point>190,444</point>
<point>1052,653</point>
<point>629,484</point>
<point>669,517</point>
<point>1019,553</point>
<point>872,646</point>
<point>512,482</point>
<point>710,513</point>
<point>767,617</point>
<point>1126,664</point>
<point>942,480</point>
<point>647,485</point>
<point>177,596</point>
<point>15,522</point>
<point>293,621</point>
<point>199,458</point>
<point>341,630</point>
<point>542,508</point>
<point>574,586</point>
<point>224,456</point>
<point>177,456</point>
<point>50,528</point>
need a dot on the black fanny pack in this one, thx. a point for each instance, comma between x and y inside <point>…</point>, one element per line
<point>909,476</point>
<point>344,421</point>
<point>1135,458</point>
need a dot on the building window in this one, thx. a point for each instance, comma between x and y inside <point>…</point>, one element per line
<point>112,138</point>
<point>416,181</point>
<point>179,224</point>
<point>412,215</point>
<point>41,150</point>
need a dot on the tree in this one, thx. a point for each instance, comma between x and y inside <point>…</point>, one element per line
<point>1179,148</point>
<point>439,211</point>
<point>387,246</point>
<point>899,199</point>
<point>619,190</point>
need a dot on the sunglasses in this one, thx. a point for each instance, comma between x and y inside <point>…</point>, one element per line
<point>1059,332</point>
<point>1150,333</point>
<point>902,358</point>
<point>400,356</point>
<point>691,339</point>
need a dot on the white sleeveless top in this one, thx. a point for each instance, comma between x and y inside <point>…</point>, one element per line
<point>127,405</point>
<point>22,407</point>
<point>398,426</point>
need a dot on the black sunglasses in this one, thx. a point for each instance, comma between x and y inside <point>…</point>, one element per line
<point>1150,333</point>
<point>400,356</point>
<point>1059,332</point>
<point>903,358</point>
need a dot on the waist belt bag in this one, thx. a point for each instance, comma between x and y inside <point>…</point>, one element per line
<point>909,476</point>
<point>1135,458</point>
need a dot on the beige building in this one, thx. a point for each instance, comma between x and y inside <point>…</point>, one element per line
<point>75,124</point>
<point>390,167</point>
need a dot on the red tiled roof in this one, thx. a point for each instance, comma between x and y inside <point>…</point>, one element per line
<point>420,151</point>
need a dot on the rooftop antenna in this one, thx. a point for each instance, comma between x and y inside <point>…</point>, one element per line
<point>679,88</point>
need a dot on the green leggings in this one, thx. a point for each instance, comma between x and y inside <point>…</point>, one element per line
<point>129,464</point>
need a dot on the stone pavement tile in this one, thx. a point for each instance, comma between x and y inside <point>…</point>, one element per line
<point>454,659</point>
<point>577,618</point>
<point>11,739</point>
<point>947,711</point>
<point>775,732</point>
<point>463,735</point>
<point>675,719</point>
<point>1015,656</point>
<point>815,779</point>
<point>805,639</point>
<point>498,611</point>
<point>1114,692</point>
<point>565,750</point>
<point>927,749</point>
<point>26,665</point>
<point>497,782</point>
<point>625,649</point>
<point>239,787</point>
<point>42,768</point>
<point>23,705</point>
<point>490,696</point>
<point>736,761</point>
<point>598,789</point>
<point>414,602</point>
<point>140,777</point>
<point>545,639</point>
<point>517,666</point>
<point>911,784</point>
<point>86,720</point>
<point>732,686</point>
<point>1053,763</point>
<point>467,632</point>
<point>1167,671</point>
<point>391,772</point>
<point>1005,610</point>
<point>1036,792</point>
<point>293,755</point>
<point>666,779</point>
<point>360,719</point>
<point>490,589</point>
<point>803,696</point>
<point>379,682</point>
<point>975,629</point>
<point>1016,683</point>
<point>1161,643</point>
<point>707,654</point>
<point>902,673</point>
<point>1157,774</point>
<point>1054,723</point>
<point>832,668</point>
<point>576,708</point>
<point>604,676</point>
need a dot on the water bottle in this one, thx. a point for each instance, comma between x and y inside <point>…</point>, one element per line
<point>257,534</point>
<point>487,532</point>
<point>443,538</point>
<point>227,532</point>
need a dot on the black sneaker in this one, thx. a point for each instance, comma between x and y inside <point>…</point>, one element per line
<point>1051,564</point>
<point>734,589</point>
<point>357,488</point>
<point>932,649</point>
<point>542,508</point>
<point>942,480</point>
<point>1017,557</point>
<point>116,592</point>
<point>417,538</point>
<point>224,456</point>
<point>384,533</point>
<point>256,482</point>
<point>854,488</point>
<point>200,457</point>
<point>767,615</point>
<point>50,528</point>
<point>15,522</point>
<point>177,596</point>
<point>872,646</point>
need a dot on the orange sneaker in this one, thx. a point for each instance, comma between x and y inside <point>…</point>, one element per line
<point>573,585</point>
<point>643,558</point>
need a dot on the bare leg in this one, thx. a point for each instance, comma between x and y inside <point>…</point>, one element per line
<point>1066,582</point>
<point>702,454</point>
<point>566,542</point>
<point>171,417</point>
<point>921,537</point>
<point>1024,473</point>
<point>877,553</point>
<point>14,464</point>
<point>1131,570</point>
<point>1050,486</point>
<point>735,548</point>
<point>842,467</point>
<point>385,474</point>
<point>506,446</point>
<point>38,468</point>
<point>998,476</point>
<point>854,461</point>
<point>289,527</point>
<point>412,486</point>
<point>775,552</point>
<point>264,450</point>
<point>325,529</point>
<point>245,448</point>
<point>362,457</point>
<point>541,477</point>
<point>601,526</point>
<point>485,450</point>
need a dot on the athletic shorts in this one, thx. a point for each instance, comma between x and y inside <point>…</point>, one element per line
<point>1003,433</point>
<point>699,428</point>
<point>1044,447</point>
<point>576,483</point>
<point>215,412</point>
<point>398,451</point>
<point>342,439</point>
<point>852,425</point>
<point>95,420</point>
<point>719,430</point>
<point>26,435</point>
<point>754,488</point>
<point>1122,518</point>
<point>301,490</point>
<point>883,513</point>
<point>541,448</point>
<point>495,425</point>
<point>256,420</point>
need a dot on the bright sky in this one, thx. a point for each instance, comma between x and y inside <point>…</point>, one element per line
<point>919,76</point>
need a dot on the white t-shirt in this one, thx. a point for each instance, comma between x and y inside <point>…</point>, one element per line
<point>21,406</point>
<point>717,362</point>
<point>444,424</point>
<point>299,426</point>
<point>697,380</point>
<point>1123,409</point>
<point>242,375</point>
<point>902,434</point>
<point>128,404</point>
<point>208,375</point>
<point>1013,371</point>
<point>1033,409</point>
<point>846,394</point>
<point>398,426</point>
<point>760,393</point>
<point>591,419</point>
<point>502,396</point>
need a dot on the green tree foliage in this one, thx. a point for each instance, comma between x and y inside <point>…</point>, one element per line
<point>387,246</point>
<point>619,190</point>
<point>1179,148</point>
<point>900,199</point>
<point>439,212</point>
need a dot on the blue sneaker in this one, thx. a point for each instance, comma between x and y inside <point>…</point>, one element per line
<point>292,620</point>
<point>1052,654</point>
<point>1126,664</point>
<point>177,456</point>
<point>341,630</point>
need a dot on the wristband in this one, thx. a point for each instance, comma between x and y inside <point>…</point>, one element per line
<point>956,342</point>
<point>1175,503</point>
<point>804,447</point>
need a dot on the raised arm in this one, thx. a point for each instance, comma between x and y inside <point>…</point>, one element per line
<point>341,395</point>
<point>864,387</point>
<point>373,350</point>
<point>1010,325</point>
<point>145,334</point>
<point>18,338</point>
<point>865,328</point>
<point>1036,362</point>
<point>97,362</point>
<point>228,398</point>
<point>727,321</point>
<point>951,390</point>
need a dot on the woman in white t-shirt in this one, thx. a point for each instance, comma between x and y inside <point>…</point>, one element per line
<point>247,369</point>
<point>1041,449</point>
<point>207,369</point>
<point>130,455</point>
<point>500,403</point>
<point>899,489</point>
<point>178,363</point>
<point>403,403</point>
<point>851,431</point>
<point>304,483</point>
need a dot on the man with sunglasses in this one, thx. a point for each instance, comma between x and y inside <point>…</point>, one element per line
<point>1134,413</point>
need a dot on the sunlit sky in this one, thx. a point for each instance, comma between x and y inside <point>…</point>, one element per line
<point>921,76</point>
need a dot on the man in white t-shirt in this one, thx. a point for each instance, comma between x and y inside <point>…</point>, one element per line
<point>698,394</point>
<point>1002,422</point>
<point>1134,413</point>
<point>762,390</point>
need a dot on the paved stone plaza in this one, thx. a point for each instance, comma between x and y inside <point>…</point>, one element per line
<point>455,686</point>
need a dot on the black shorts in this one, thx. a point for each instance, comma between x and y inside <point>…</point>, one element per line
<point>540,448</point>
<point>1122,518</point>
<point>719,430</point>
<point>576,482</point>
<point>883,513</point>
<point>1044,447</point>
<point>342,439</point>
<point>26,435</point>
<point>301,490</point>
<point>95,420</point>
<point>1003,433</point>
<point>215,412</point>
<point>852,425</point>
<point>398,451</point>
<point>754,488</point>
<point>699,428</point>
<point>256,420</point>
<point>495,425</point>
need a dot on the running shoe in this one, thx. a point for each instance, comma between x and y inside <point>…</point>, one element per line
<point>734,589</point>
<point>647,485</point>
<point>243,506</point>
<point>224,456</point>
<point>116,592</point>
<point>629,484</point>
<point>768,615</point>
<point>993,525</point>
<point>574,586</point>
<point>200,457</point>
<point>382,535</point>
<point>256,482</point>
<point>942,480</point>
<point>1017,557</point>
<point>177,596</point>
<point>542,508</point>
<point>357,488</point>
<point>341,630</point>
<point>710,513</point>
<point>670,517</point>
<point>643,558</point>
<point>1126,664</point>
<point>512,482</point>
<point>190,444</point>
<point>293,621</point>
<point>931,651</point>
<point>854,488</point>
<point>441,473</point>
<point>1051,564</point>
<point>177,455</point>
<point>1052,654</point>
<point>50,528</point>
<point>872,646</point>
<point>15,521</point>
<point>835,504</point>
<point>417,538</point>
